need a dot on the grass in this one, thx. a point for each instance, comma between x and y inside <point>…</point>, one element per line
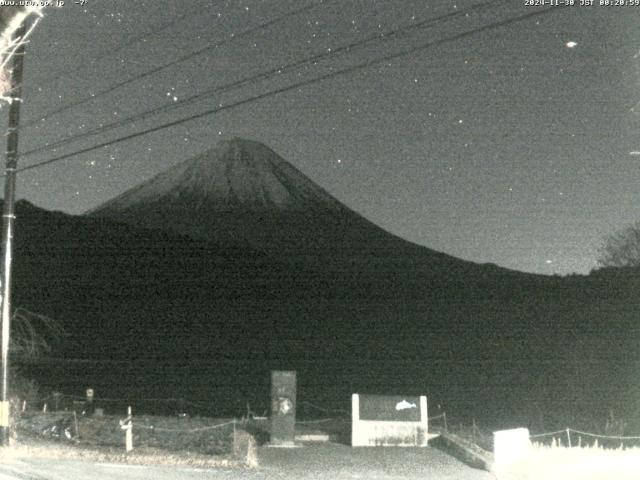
<point>568,463</point>
<point>157,440</point>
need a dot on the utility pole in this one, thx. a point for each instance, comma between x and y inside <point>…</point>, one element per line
<point>8,217</point>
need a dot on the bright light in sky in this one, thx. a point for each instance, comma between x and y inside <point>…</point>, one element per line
<point>438,141</point>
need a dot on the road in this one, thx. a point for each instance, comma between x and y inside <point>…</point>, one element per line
<point>317,462</point>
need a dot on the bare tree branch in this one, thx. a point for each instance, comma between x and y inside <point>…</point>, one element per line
<point>33,334</point>
<point>622,249</point>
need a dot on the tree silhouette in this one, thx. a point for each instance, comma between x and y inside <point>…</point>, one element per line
<point>33,334</point>
<point>622,249</point>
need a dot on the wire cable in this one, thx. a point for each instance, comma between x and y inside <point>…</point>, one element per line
<point>334,74</point>
<point>382,36</point>
<point>189,430</point>
<point>160,68</point>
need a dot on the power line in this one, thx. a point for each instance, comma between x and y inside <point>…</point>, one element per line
<point>160,68</point>
<point>382,36</point>
<point>111,52</point>
<point>345,71</point>
<point>337,73</point>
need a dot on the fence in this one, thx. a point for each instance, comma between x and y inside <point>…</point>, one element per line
<point>572,454</point>
<point>171,405</point>
<point>149,405</point>
<point>571,437</point>
<point>205,436</point>
<point>334,422</point>
<point>154,405</point>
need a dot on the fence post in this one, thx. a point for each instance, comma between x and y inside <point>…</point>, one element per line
<point>569,437</point>
<point>129,432</point>
<point>75,423</point>
<point>475,439</point>
<point>445,421</point>
<point>127,425</point>
<point>57,400</point>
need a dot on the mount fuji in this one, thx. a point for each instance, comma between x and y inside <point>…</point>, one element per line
<point>241,192</point>
<point>233,263</point>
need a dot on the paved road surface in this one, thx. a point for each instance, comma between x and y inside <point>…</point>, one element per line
<point>318,462</point>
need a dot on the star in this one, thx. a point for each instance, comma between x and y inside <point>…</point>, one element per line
<point>399,107</point>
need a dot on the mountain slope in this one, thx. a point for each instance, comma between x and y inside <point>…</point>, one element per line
<point>243,191</point>
<point>230,264</point>
<point>236,175</point>
<point>167,315</point>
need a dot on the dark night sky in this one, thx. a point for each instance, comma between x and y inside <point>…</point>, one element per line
<point>513,145</point>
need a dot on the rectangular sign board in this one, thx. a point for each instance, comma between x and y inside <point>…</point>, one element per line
<point>389,420</point>
<point>391,408</point>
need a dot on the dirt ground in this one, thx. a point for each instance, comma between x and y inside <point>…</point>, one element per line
<point>185,439</point>
<point>326,461</point>
<point>337,461</point>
